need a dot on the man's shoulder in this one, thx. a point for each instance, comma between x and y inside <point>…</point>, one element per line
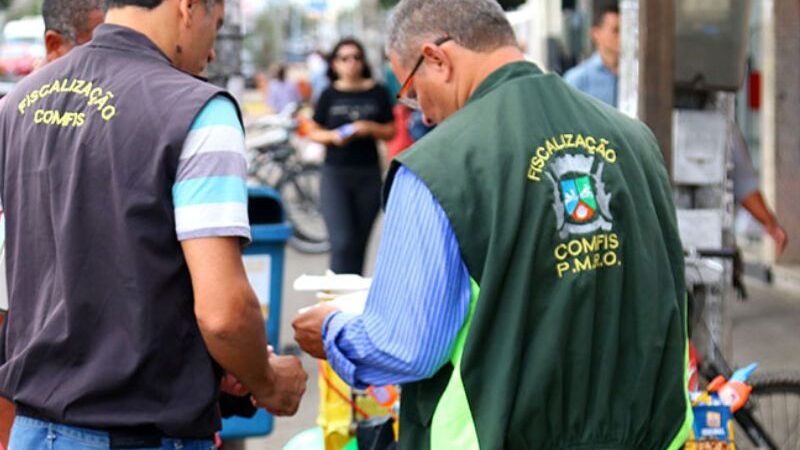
<point>220,110</point>
<point>579,73</point>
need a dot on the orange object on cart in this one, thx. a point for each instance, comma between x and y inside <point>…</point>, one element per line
<point>339,409</point>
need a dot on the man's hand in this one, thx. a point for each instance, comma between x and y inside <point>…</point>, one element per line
<point>289,383</point>
<point>308,329</point>
<point>778,234</point>
<point>231,386</point>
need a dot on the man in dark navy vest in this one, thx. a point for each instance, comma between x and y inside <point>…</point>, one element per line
<point>122,180</point>
<point>67,23</point>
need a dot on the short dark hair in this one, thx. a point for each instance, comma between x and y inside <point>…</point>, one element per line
<point>68,17</point>
<point>366,71</point>
<point>149,4</point>
<point>600,13</point>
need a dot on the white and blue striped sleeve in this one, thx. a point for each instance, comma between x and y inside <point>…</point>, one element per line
<point>210,190</point>
<point>419,300</point>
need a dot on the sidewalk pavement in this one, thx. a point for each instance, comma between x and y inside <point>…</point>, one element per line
<point>787,278</point>
<point>766,328</point>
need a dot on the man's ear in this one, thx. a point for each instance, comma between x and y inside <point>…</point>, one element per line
<point>437,59</point>
<point>594,33</point>
<point>54,44</point>
<point>185,8</point>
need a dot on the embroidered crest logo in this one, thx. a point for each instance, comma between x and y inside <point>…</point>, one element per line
<point>581,202</point>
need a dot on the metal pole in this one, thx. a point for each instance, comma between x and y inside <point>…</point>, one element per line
<point>226,70</point>
<point>656,70</point>
<point>629,61</point>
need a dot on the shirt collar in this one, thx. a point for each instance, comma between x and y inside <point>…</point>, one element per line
<point>504,74</point>
<point>597,63</point>
<point>123,38</point>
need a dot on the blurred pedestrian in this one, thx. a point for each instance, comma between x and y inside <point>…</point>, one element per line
<point>281,91</point>
<point>317,66</point>
<point>352,114</point>
<point>746,191</point>
<point>598,76</point>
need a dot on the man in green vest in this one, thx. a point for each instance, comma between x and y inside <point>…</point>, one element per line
<point>529,289</point>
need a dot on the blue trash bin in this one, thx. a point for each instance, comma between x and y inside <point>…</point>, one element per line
<point>263,261</point>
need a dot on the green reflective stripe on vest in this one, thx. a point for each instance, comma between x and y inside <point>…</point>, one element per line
<point>452,425</point>
<point>683,433</point>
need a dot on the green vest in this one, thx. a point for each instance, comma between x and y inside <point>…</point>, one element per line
<point>576,338</point>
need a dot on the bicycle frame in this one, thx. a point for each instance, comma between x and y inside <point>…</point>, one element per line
<point>716,364</point>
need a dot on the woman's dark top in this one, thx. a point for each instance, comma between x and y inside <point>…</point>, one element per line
<point>336,108</point>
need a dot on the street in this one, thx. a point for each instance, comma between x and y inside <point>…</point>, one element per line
<point>296,265</point>
<point>766,329</point>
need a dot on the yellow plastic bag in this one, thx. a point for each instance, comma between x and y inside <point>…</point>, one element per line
<point>336,411</point>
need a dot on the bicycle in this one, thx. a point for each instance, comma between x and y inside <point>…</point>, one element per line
<point>272,144</point>
<point>764,428</point>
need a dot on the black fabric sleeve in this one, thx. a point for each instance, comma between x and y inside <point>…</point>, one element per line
<point>321,110</point>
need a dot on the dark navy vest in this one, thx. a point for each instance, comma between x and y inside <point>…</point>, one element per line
<point>101,327</point>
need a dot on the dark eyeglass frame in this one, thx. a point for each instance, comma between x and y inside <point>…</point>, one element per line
<point>359,58</point>
<point>411,102</point>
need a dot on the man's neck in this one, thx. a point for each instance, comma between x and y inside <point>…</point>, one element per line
<point>148,23</point>
<point>610,60</point>
<point>487,64</point>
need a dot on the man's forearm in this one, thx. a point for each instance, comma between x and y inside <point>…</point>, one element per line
<point>757,207</point>
<point>239,345</point>
<point>237,341</point>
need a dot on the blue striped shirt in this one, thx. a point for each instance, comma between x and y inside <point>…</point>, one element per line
<point>210,190</point>
<point>418,302</point>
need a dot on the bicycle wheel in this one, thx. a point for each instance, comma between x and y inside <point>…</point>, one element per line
<point>266,166</point>
<point>775,404</point>
<point>300,194</point>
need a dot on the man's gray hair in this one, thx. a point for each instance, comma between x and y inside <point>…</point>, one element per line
<point>69,17</point>
<point>148,4</point>
<point>478,25</point>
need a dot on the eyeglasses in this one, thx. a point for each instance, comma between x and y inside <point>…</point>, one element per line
<point>406,96</point>
<point>348,58</point>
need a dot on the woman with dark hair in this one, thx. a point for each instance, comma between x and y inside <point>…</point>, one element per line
<point>350,116</point>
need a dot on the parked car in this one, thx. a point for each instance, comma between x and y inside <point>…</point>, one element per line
<point>18,58</point>
<point>22,47</point>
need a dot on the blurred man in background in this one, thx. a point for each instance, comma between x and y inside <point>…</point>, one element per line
<point>598,76</point>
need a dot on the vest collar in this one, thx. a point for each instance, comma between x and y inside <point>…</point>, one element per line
<point>504,74</point>
<point>123,38</point>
